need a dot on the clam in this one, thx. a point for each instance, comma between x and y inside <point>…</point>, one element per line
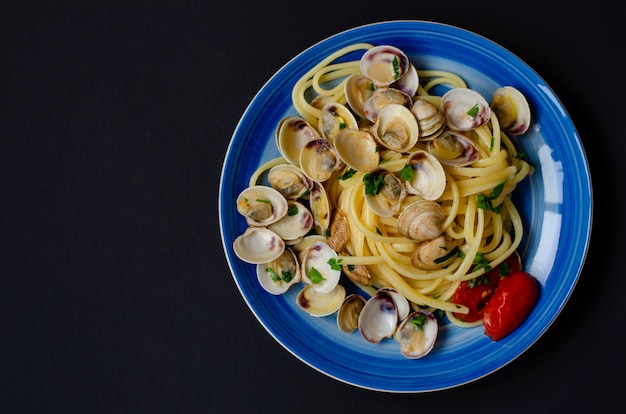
<point>453,148</point>
<point>387,200</point>
<point>319,267</point>
<point>384,64</point>
<point>348,313</point>
<point>396,128</point>
<point>320,304</point>
<point>383,97</point>
<point>409,82</point>
<point>258,245</point>
<point>295,224</point>
<point>292,134</point>
<point>512,110</point>
<point>319,204</point>
<point>381,314</point>
<point>318,160</point>
<point>421,220</point>
<point>465,109</point>
<point>417,334</point>
<point>334,118</point>
<point>277,276</point>
<point>429,178</point>
<point>434,254</point>
<point>339,231</point>
<point>289,180</point>
<point>358,89</point>
<point>358,274</point>
<point>357,149</point>
<point>261,205</point>
<point>430,119</point>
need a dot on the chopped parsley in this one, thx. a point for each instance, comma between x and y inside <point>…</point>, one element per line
<point>334,264</point>
<point>372,87</point>
<point>485,202</point>
<point>504,269</point>
<point>519,155</point>
<point>292,210</point>
<point>378,231</point>
<point>342,125</point>
<point>406,173</point>
<point>315,276</point>
<point>396,68</point>
<point>373,184</point>
<point>473,111</point>
<point>481,263</point>
<point>418,321</point>
<point>261,200</point>
<point>287,276</point>
<point>477,281</point>
<point>348,174</point>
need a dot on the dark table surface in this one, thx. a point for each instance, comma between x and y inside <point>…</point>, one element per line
<point>117,296</point>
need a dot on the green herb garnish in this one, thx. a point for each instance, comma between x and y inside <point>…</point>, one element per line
<point>342,125</point>
<point>334,264</point>
<point>273,275</point>
<point>373,184</point>
<point>261,200</point>
<point>418,321</point>
<point>315,276</point>
<point>406,173</point>
<point>292,210</point>
<point>473,111</point>
<point>481,263</point>
<point>396,67</point>
<point>348,174</point>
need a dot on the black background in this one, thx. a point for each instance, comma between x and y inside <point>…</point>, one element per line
<point>116,294</point>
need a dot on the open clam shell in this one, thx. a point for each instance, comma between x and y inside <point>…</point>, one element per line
<point>258,245</point>
<point>465,109</point>
<point>277,276</point>
<point>417,334</point>
<point>384,64</point>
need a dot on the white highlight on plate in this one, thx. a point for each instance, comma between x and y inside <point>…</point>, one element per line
<point>555,101</point>
<point>541,265</point>
<point>552,173</point>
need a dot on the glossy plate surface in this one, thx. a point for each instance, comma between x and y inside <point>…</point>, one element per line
<point>555,203</point>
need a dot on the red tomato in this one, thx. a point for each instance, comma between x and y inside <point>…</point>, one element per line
<point>475,294</point>
<point>511,304</point>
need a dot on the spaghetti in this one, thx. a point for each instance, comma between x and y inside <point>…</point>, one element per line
<point>489,233</point>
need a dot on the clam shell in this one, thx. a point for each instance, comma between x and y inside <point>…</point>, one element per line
<point>277,276</point>
<point>421,220</point>
<point>348,313</point>
<point>358,89</point>
<point>429,177</point>
<point>396,128</point>
<point>383,97</point>
<point>295,224</point>
<point>334,118</point>
<point>289,180</point>
<point>465,109</point>
<point>384,64</point>
<point>261,205</point>
<point>292,134</point>
<point>388,200</point>
<point>318,160</point>
<point>357,149</point>
<point>417,334</point>
<point>511,109</point>
<point>258,245</point>
<point>320,304</point>
<point>452,148</point>
<point>316,267</point>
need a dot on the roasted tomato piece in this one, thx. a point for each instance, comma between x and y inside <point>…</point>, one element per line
<point>510,305</point>
<point>475,293</point>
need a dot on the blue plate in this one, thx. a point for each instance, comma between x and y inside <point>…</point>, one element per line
<point>555,203</point>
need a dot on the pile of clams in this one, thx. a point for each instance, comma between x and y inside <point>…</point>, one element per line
<point>296,237</point>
